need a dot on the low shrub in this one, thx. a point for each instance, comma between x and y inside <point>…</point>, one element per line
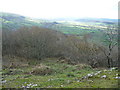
<point>42,70</point>
<point>83,66</point>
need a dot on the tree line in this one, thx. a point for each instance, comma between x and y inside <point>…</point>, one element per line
<point>38,43</point>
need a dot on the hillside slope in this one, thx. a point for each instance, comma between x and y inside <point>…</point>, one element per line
<point>95,27</point>
<point>54,73</point>
<point>14,21</point>
<point>76,26</point>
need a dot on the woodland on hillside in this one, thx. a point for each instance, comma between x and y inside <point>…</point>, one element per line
<point>39,43</point>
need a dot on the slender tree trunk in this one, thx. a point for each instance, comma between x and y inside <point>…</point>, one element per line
<point>108,59</point>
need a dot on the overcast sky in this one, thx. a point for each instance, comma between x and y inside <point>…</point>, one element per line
<point>61,8</point>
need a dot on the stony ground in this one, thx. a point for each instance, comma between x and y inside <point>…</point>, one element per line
<point>52,73</point>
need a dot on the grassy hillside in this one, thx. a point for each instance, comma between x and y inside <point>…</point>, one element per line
<point>58,53</point>
<point>14,21</point>
<point>55,73</point>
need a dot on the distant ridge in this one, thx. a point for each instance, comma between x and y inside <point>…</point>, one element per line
<point>103,20</point>
<point>15,21</point>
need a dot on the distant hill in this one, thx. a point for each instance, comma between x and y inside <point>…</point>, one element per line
<point>101,20</point>
<point>13,21</point>
<point>66,25</point>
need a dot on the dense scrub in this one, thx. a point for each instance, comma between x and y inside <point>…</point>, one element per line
<point>38,43</point>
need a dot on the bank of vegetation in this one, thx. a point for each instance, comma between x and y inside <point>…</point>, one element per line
<point>39,43</point>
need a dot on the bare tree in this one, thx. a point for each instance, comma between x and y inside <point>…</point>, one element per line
<point>111,35</point>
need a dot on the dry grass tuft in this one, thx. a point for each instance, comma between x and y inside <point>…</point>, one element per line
<point>82,66</point>
<point>42,70</point>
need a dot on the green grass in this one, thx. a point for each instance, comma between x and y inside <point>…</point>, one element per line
<point>64,76</point>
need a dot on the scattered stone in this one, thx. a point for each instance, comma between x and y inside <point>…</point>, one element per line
<point>4,81</point>
<point>105,70</point>
<point>78,80</point>
<point>117,77</point>
<point>104,76</point>
<point>99,72</point>
<point>49,86</point>
<point>95,74</point>
<point>89,75</point>
<point>29,85</point>
<point>61,85</point>
<point>90,80</point>
<point>34,85</point>
<point>24,86</point>
<point>113,68</point>
<point>50,79</point>
<point>84,77</point>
